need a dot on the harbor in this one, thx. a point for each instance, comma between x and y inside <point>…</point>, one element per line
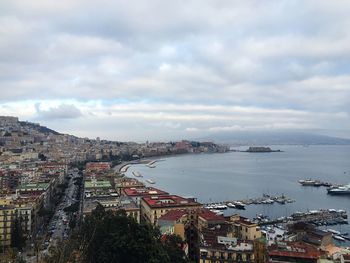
<point>222,179</point>
<point>240,204</point>
<point>322,217</point>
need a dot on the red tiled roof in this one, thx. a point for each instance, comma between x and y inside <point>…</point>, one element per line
<point>168,201</point>
<point>209,215</point>
<point>295,250</point>
<point>98,166</point>
<point>132,191</point>
<point>173,215</point>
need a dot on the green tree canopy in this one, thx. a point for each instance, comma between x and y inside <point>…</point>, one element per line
<point>113,237</point>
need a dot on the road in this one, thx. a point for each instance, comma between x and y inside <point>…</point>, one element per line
<point>58,228</point>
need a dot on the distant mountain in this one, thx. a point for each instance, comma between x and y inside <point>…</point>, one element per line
<point>38,127</point>
<point>273,138</point>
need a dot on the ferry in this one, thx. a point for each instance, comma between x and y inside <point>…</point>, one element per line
<point>341,190</point>
<point>150,181</point>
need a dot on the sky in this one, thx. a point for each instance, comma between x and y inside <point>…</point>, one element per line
<point>165,70</point>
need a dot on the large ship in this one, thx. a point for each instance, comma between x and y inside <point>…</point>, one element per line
<point>340,190</point>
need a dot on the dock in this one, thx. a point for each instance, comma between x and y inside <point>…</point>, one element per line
<point>317,183</point>
<point>322,217</point>
<point>265,200</point>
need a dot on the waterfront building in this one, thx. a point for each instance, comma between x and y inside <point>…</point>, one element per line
<point>153,207</point>
<point>244,229</point>
<point>293,252</point>
<point>126,182</point>
<point>136,193</point>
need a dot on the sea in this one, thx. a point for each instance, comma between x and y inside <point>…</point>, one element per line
<point>215,177</point>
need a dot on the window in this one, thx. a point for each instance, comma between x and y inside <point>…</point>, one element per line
<point>248,257</point>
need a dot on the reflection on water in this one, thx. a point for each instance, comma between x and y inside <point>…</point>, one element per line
<point>239,175</point>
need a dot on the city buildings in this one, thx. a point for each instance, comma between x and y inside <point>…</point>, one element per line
<point>153,207</point>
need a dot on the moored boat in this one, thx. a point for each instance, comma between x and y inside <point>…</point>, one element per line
<point>239,205</point>
<point>150,181</point>
<point>230,205</point>
<point>339,238</point>
<point>341,190</point>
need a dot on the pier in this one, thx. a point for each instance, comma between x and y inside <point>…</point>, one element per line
<point>316,183</point>
<point>265,200</point>
<point>322,217</point>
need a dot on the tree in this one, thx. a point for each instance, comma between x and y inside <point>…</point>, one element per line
<point>173,245</point>
<point>114,237</point>
<point>42,157</point>
<point>107,236</point>
<point>17,239</point>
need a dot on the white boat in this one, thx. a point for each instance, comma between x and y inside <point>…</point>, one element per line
<point>339,238</point>
<point>341,190</point>
<point>150,181</point>
<point>221,207</point>
<point>218,212</point>
<point>137,174</point>
<point>333,231</point>
<point>230,205</point>
<point>239,205</point>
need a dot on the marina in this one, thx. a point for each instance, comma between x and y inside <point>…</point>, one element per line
<point>322,217</point>
<point>240,204</point>
<point>214,178</point>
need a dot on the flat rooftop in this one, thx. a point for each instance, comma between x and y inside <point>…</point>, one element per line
<point>209,215</point>
<point>168,201</point>
<point>143,191</point>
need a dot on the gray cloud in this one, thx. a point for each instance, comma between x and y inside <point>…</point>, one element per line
<point>282,55</point>
<point>63,111</point>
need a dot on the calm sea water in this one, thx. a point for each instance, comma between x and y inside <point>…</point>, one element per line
<point>239,175</point>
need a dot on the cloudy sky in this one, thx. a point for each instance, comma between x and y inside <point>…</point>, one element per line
<point>158,70</point>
